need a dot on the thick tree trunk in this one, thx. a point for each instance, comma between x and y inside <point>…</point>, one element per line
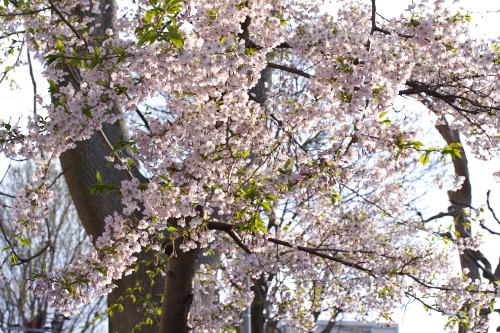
<point>80,166</point>
<point>178,292</point>
<point>460,200</point>
<point>258,306</point>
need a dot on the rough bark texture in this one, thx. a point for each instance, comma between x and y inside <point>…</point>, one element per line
<point>178,292</point>
<point>459,200</point>
<point>80,166</point>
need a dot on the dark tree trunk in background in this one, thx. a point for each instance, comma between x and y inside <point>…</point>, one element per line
<point>259,288</point>
<point>460,200</point>
<point>259,304</point>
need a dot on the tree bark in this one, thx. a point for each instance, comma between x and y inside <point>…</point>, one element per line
<point>259,303</point>
<point>460,200</point>
<point>178,292</point>
<point>80,166</point>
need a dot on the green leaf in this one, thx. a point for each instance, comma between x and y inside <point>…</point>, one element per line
<point>99,179</point>
<point>59,46</point>
<point>382,114</point>
<point>52,87</point>
<point>75,62</point>
<point>14,260</point>
<point>149,15</point>
<point>266,205</point>
<point>424,158</point>
<point>25,241</point>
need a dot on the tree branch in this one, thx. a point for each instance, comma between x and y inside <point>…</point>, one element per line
<point>437,216</point>
<point>489,206</point>
<point>111,151</point>
<point>487,273</point>
<point>374,24</point>
<point>33,81</point>
<point>61,16</point>
<point>290,70</point>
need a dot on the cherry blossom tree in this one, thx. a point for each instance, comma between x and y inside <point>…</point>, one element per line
<point>260,176</point>
<point>64,239</point>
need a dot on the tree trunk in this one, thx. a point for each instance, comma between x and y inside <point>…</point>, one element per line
<point>80,166</point>
<point>460,200</point>
<point>178,292</point>
<point>258,305</point>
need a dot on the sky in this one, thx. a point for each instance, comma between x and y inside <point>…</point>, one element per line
<point>413,318</point>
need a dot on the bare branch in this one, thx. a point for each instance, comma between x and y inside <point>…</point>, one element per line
<point>489,230</point>
<point>487,273</point>
<point>376,28</point>
<point>290,70</point>
<point>6,35</point>
<point>39,253</point>
<point>489,206</point>
<point>437,216</point>
<point>8,195</point>
<point>238,240</point>
<point>319,254</point>
<point>26,13</point>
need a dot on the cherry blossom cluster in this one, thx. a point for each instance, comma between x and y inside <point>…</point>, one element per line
<point>93,272</point>
<point>309,178</point>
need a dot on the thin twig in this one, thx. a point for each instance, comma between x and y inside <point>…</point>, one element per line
<point>25,13</point>
<point>33,82</point>
<point>111,151</point>
<point>141,115</point>
<point>15,64</point>
<point>61,16</point>
<point>6,35</point>
<point>6,171</point>
<point>8,195</point>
